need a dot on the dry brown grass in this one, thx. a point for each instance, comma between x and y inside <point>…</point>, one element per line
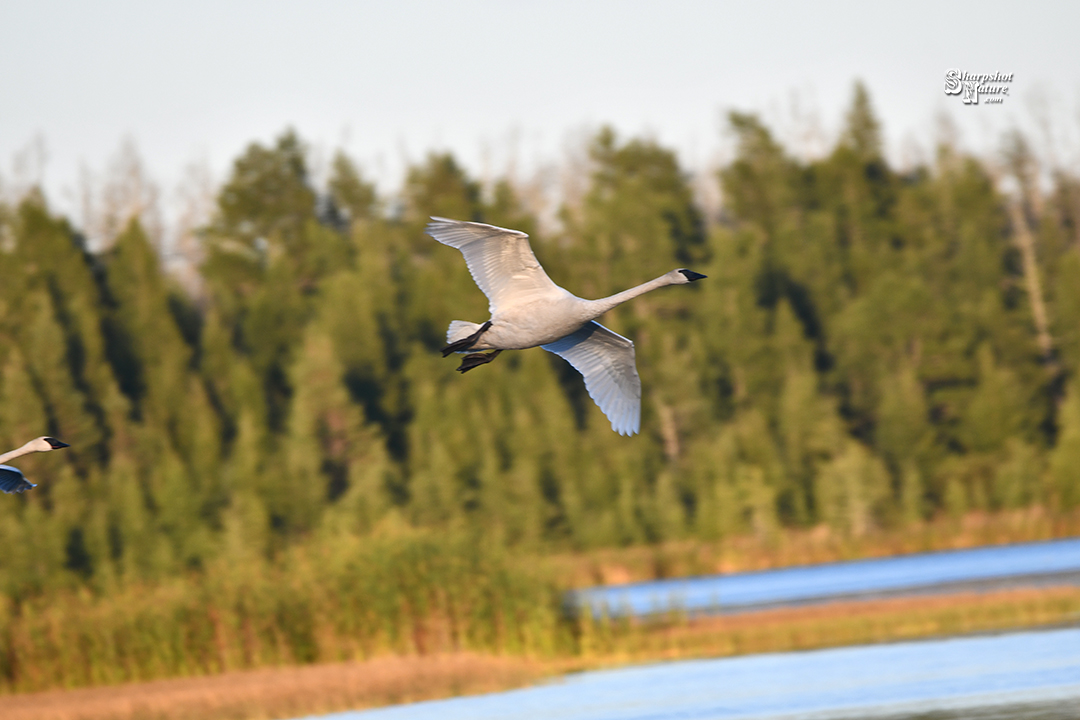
<point>787,547</point>
<point>836,624</point>
<point>298,691</point>
<point>281,692</point>
<point>284,692</point>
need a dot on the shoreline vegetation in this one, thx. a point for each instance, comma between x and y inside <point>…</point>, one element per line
<point>299,691</point>
<point>283,692</point>
<point>271,465</point>
<point>437,642</point>
<point>791,547</point>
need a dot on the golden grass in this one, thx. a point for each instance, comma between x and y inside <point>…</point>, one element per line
<point>793,546</point>
<point>281,692</point>
<point>298,691</point>
<point>833,624</point>
<point>361,598</point>
<point>350,600</point>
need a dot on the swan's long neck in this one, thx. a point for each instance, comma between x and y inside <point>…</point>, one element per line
<point>17,452</point>
<point>602,305</point>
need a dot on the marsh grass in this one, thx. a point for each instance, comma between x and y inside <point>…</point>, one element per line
<point>333,602</point>
<point>788,547</point>
<point>296,691</point>
<point>283,692</point>
<point>346,598</point>
<point>828,625</point>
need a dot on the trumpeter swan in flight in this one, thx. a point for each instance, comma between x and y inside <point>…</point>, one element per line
<point>12,479</point>
<point>529,310</point>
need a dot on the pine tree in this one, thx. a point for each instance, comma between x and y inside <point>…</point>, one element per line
<point>997,409</point>
<point>852,490</point>
<point>327,453</point>
<point>268,197</point>
<point>349,193</point>
<point>862,134</point>
<point>28,563</point>
<point>1065,458</point>
<point>440,187</point>
<point>1066,310</point>
<point>760,184</point>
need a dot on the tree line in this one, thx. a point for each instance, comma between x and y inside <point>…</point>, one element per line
<point>873,347</point>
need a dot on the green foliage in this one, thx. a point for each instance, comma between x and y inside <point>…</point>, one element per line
<point>348,599</point>
<point>440,187</point>
<point>863,353</point>
<point>1065,459</point>
<point>862,134</point>
<point>639,199</point>
<point>852,489</point>
<point>268,196</point>
<point>348,192</point>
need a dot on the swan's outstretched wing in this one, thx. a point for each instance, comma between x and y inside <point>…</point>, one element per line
<point>13,481</point>
<point>500,260</point>
<point>606,361</point>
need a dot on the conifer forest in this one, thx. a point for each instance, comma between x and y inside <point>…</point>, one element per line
<point>271,462</point>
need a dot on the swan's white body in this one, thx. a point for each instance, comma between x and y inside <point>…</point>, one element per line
<point>529,310</point>
<point>12,479</point>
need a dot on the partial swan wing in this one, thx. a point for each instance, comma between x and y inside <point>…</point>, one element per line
<point>500,260</point>
<point>13,481</point>
<point>606,361</point>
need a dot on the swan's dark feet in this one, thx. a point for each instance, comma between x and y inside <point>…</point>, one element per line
<point>476,359</point>
<point>466,342</point>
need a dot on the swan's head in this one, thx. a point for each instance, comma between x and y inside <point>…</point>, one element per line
<point>45,444</point>
<point>682,276</point>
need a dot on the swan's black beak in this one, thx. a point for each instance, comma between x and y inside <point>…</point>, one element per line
<point>56,444</point>
<point>690,275</point>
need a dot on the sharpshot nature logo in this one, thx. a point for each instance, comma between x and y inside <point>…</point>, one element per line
<point>993,87</point>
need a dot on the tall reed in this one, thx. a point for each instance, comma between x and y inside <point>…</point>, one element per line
<point>344,597</point>
<point>350,599</point>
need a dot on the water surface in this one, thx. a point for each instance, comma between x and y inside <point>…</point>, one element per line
<point>1056,561</point>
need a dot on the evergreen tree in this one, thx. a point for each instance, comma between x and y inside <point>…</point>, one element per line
<point>639,206</point>
<point>997,409</point>
<point>440,187</point>
<point>267,202</point>
<point>852,490</point>
<point>864,353</point>
<point>862,133</point>
<point>1065,458</point>
<point>350,194</point>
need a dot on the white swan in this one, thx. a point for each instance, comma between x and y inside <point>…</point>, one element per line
<point>529,310</point>
<point>12,479</point>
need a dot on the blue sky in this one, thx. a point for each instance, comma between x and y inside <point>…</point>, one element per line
<point>197,81</point>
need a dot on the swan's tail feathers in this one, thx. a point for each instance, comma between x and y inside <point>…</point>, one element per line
<point>459,330</point>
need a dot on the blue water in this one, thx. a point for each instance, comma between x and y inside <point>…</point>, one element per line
<point>1019,675</point>
<point>741,591</point>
